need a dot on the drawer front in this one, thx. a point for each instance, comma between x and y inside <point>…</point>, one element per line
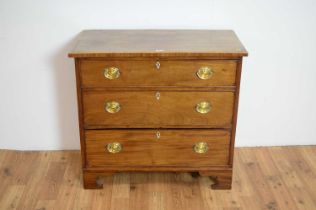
<point>154,109</point>
<point>121,73</point>
<point>157,148</point>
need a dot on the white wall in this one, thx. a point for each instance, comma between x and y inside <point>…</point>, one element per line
<point>37,81</point>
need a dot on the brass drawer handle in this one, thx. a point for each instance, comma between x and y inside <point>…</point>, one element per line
<point>112,107</point>
<point>114,147</point>
<point>203,107</point>
<point>200,147</point>
<point>204,72</point>
<point>111,73</point>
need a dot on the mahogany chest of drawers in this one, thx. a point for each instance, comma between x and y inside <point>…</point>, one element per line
<point>158,100</point>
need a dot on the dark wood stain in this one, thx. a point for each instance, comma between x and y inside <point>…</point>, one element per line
<point>180,53</point>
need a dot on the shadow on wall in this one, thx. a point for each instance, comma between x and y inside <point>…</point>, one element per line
<point>66,97</point>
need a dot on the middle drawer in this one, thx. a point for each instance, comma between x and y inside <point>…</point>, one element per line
<point>157,109</point>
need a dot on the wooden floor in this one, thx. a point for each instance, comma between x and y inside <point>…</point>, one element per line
<point>264,178</point>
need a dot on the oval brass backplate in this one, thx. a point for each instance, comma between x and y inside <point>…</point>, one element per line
<point>112,107</point>
<point>200,147</point>
<point>204,72</point>
<point>114,147</point>
<point>203,107</point>
<point>111,73</point>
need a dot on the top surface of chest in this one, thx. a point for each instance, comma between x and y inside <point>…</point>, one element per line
<point>158,43</point>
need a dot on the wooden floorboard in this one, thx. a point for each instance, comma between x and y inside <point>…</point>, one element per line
<point>264,178</point>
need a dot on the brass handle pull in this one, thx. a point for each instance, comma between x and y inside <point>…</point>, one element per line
<point>111,73</point>
<point>204,72</point>
<point>200,147</point>
<point>112,107</point>
<point>203,107</point>
<point>114,147</point>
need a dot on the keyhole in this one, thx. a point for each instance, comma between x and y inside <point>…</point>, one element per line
<point>158,65</point>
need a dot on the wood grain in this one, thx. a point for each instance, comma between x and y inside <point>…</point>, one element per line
<point>235,113</point>
<point>263,178</point>
<point>158,43</point>
<point>141,109</point>
<point>143,73</point>
<point>80,112</point>
<point>143,148</point>
<point>180,54</point>
<point>222,178</point>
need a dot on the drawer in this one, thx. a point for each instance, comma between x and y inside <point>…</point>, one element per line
<point>122,73</point>
<point>191,148</point>
<point>154,109</point>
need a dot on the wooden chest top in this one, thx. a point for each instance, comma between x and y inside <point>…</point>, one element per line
<point>158,43</point>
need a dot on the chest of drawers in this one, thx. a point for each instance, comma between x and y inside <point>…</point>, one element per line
<point>158,100</point>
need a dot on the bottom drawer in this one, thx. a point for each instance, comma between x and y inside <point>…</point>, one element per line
<point>191,148</point>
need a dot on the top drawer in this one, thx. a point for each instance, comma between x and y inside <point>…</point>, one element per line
<point>152,73</point>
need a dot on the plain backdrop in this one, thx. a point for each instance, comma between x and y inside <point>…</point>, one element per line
<point>38,107</point>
